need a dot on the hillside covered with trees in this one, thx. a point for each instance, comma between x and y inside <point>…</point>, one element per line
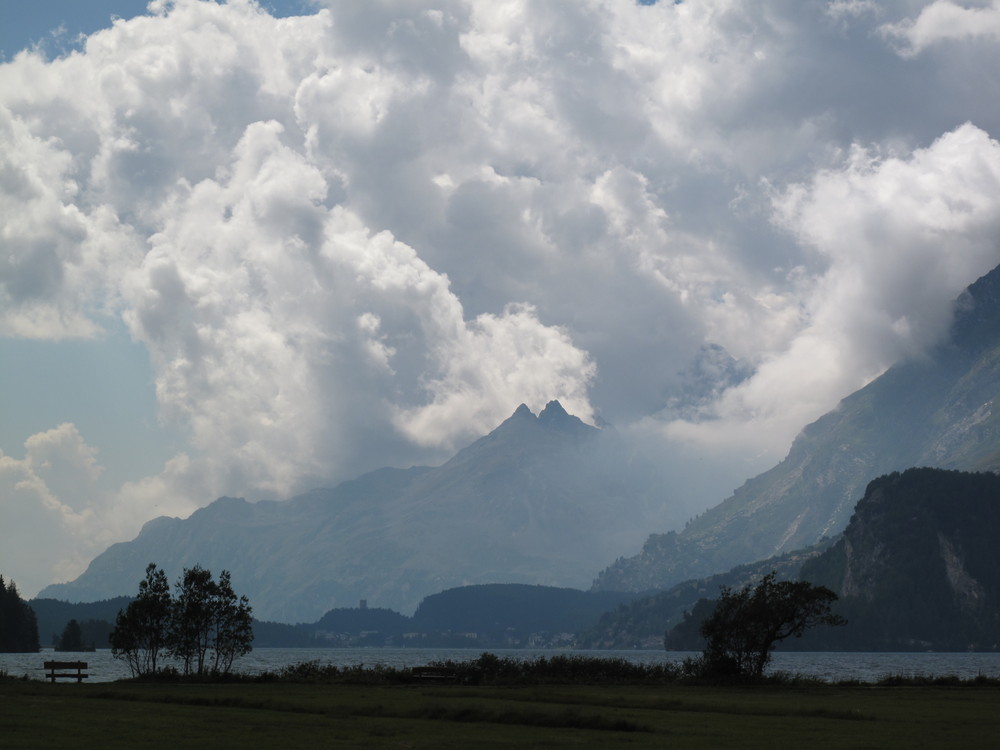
<point>18,626</point>
<point>917,567</point>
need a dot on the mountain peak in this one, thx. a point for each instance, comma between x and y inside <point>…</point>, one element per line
<point>553,411</point>
<point>523,429</point>
<point>541,499</point>
<point>521,412</point>
<point>555,417</point>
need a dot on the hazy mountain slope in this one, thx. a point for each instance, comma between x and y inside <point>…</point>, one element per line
<point>643,621</point>
<point>936,411</point>
<point>916,568</point>
<point>540,500</point>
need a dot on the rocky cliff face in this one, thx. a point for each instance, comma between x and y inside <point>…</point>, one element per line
<point>940,410</point>
<point>540,500</point>
<point>918,566</point>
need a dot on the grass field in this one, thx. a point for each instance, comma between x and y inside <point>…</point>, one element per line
<point>132,715</point>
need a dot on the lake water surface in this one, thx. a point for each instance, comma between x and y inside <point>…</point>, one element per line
<point>830,665</point>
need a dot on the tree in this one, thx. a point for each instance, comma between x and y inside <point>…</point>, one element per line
<point>203,617</point>
<point>141,630</point>
<point>233,627</point>
<point>71,638</point>
<point>209,617</point>
<point>686,634</point>
<point>746,624</point>
<point>18,625</point>
<point>193,618</point>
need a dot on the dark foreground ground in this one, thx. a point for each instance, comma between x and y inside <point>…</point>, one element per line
<point>133,715</point>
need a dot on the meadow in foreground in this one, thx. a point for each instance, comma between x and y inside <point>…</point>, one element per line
<point>351,713</point>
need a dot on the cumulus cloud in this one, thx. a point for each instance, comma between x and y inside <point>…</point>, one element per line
<point>363,236</point>
<point>945,21</point>
<point>57,516</point>
<point>284,330</point>
<point>55,254</point>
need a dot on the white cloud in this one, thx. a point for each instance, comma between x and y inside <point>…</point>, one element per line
<point>364,236</point>
<point>56,256</point>
<point>902,237</point>
<point>495,361</point>
<point>279,327</point>
<point>946,21</point>
<point>57,516</point>
<point>841,9</point>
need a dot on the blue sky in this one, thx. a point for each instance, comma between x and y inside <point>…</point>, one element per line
<point>57,25</point>
<point>105,387</point>
<point>248,252</point>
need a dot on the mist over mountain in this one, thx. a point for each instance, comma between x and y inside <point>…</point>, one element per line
<point>700,384</point>
<point>938,410</point>
<point>548,499</point>
<point>543,499</point>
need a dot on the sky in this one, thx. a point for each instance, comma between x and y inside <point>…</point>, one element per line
<point>254,248</point>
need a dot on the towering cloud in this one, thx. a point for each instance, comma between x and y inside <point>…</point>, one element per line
<point>363,236</point>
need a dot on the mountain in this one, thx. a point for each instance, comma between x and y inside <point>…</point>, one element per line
<point>641,622</point>
<point>542,499</point>
<point>495,609</point>
<point>939,410</point>
<point>703,382</point>
<point>918,566</point>
<point>915,569</point>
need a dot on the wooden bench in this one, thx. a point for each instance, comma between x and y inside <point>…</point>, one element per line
<point>54,670</point>
<point>434,674</point>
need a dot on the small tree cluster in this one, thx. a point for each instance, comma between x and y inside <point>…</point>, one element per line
<point>71,638</point>
<point>18,625</point>
<point>742,630</point>
<point>205,626</point>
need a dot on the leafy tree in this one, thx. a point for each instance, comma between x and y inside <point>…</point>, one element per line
<point>71,638</point>
<point>194,615</point>
<point>746,624</point>
<point>209,617</point>
<point>18,625</point>
<point>232,634</point>
<point>205,616</point>
<point>686,635</point>
<point>142,629</point>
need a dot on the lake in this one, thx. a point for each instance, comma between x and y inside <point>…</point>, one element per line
<point>829,665</point>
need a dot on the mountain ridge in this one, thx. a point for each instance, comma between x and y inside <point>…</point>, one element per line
<point>915,569</point>
<point>542,500</point>
<point>936,410</point>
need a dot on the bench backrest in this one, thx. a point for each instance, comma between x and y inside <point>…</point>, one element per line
<point>65,665</point>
